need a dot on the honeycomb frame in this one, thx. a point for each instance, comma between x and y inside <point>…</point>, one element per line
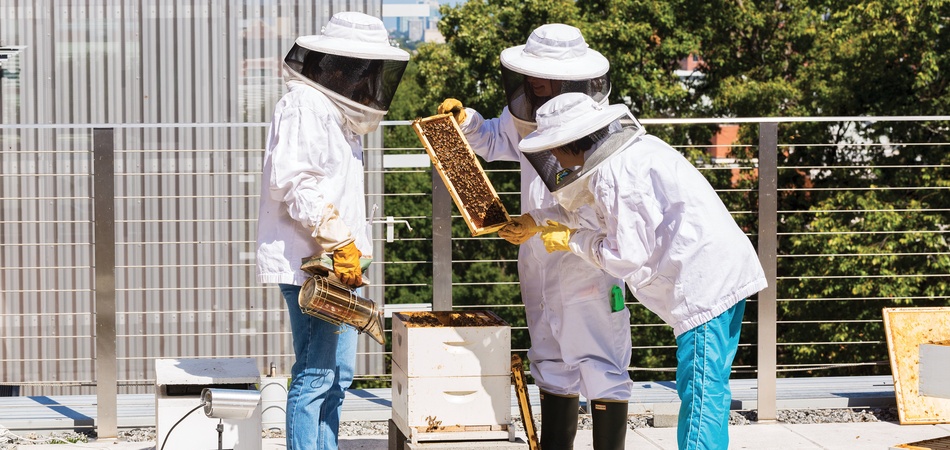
<point>455,161</point>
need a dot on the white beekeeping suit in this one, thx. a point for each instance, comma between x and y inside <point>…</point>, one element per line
<point>340,84</point>
<point>579,327</point>
<point>667,233</point>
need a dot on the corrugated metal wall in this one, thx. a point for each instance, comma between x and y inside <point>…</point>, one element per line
<point>186,195</point>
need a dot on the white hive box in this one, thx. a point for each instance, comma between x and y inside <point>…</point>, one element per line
<point>452,376</point>
<point>178,390</point>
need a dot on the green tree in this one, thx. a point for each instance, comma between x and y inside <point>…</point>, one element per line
<point>484,272</point>
<point>467,67</point>
<point>864,207</point>
<point>863,204</point>
<point>644,45</point>
<point>408,197</point>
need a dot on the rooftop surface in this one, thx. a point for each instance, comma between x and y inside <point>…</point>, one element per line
<point>21,414</point>
<point>847,436</point>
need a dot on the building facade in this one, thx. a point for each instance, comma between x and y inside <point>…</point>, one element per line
<point>187,88</point>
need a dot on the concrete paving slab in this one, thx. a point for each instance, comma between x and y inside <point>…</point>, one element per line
<point>759,436</point>
<point>585,441</point>
<point>766,436</point>
<point>666,415</point>
<point>867,435</point>
<point>353,443</point>
<point>44,414</point>
<point>660,438</point>
<point>518,444</point>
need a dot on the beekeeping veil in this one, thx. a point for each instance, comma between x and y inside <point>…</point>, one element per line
<point>353,63</point>
<point>568,119</point>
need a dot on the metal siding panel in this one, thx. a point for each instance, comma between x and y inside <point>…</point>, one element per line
<point>166,64</point>
<point>102,31</point>
<point>111,80</point>
<point>202,86</point>
<point>40,42</point>
<point>253,26</point>
<point>230,60</point>
<point>129,328</point>
<point>72,91</point>
<point>184,54</point>
<point>130,66</point>
<point>150,87</point>
<point>43,86</point>
<point>155,343</point>
<point>131,55</point>
<point>173,299</point>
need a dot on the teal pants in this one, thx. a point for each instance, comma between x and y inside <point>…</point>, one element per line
<point>704,358</point>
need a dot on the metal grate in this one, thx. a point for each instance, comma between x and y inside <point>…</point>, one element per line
<point>928,444</point>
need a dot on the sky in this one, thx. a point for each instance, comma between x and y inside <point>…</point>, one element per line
<point>390,22</point>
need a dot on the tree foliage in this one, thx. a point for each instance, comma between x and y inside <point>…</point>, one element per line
<point>863,204</point>
<point>863,210</point>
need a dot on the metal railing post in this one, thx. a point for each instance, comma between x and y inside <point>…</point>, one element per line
<point>370,358</point>
<point>768,248</point>
<point>441,245</point>
<point>107,392</point>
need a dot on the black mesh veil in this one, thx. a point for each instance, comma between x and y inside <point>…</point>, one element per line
<point>547,167</point>
<point>556,177</point>
<point>368,82</point>
<point>523,101</point>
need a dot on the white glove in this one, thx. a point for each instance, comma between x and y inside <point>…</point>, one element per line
<point>331,233</point>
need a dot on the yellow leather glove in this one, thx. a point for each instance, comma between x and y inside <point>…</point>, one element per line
<point>451,105</point>
<point>519,230</point>
<point>556,237</point>
<point>346,265</point>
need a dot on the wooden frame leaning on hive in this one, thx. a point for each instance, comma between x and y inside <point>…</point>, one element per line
<point>462,174</point>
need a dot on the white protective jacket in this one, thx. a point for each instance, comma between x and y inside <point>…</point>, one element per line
<point>577,343</point>
<point>668,235</point>
<point>311,161</point>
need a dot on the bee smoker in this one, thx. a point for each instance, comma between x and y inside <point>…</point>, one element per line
<point>324,298</point>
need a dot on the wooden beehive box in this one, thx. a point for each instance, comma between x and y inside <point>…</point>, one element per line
<point>452,376</point>
<point>464,177</point>
<point>448,343</point>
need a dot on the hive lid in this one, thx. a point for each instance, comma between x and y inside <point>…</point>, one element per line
<point>206,371</point>
<point>422,319</point>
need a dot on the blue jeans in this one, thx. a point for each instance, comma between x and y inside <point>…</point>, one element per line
<point>704,358</point>
<point>323,370</point>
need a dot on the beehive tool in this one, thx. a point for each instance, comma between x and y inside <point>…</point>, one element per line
<point>524,402</point>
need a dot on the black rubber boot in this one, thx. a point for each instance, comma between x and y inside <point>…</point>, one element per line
<point>610,424</point>
<point>558,421</point>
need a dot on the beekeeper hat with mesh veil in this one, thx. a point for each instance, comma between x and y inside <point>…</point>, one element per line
<point>555,59</point>
<point>353,63</point>
<point>578,122</point>
<point>556,53</point>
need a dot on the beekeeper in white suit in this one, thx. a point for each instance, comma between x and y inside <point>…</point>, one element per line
<point>666,232</point>
<point>577,320</point>
<point>340,84</point>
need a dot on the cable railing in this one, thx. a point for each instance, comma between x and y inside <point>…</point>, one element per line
<point>184,238</point>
